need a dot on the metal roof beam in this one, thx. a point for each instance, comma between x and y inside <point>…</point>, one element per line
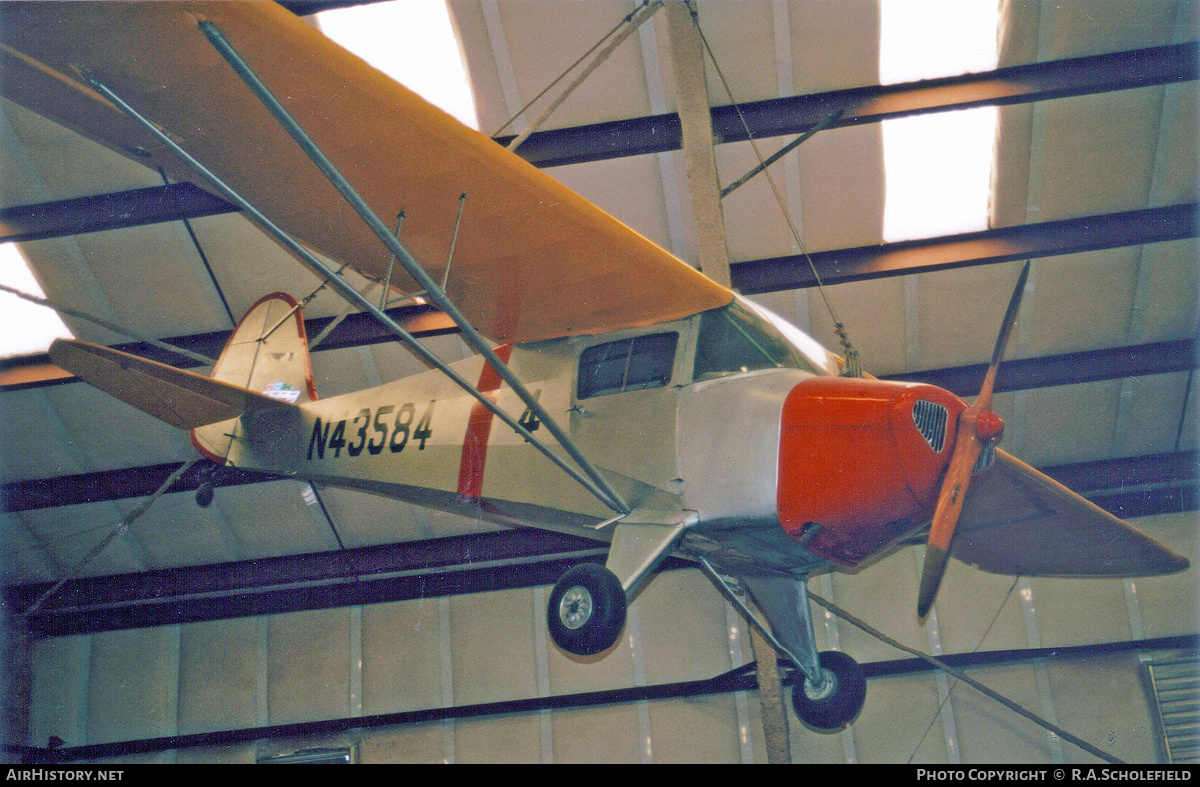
<point>1000,244</point>
<point>1089,233</point>
<point>662,133</point>
<point>117,210</point>
<point>458,564</point>
<point>356,330</point>
<point>1022,374</point>
<point>798,114</point>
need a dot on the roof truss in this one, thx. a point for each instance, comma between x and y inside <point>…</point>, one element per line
<point>660,133</point>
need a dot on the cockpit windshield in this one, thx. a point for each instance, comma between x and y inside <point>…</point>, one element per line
<point>741,338</point>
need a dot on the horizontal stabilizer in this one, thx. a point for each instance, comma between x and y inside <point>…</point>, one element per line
<point>179,398</point>
<point>1024,523</point>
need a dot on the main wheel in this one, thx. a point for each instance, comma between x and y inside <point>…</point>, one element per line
<point>586,611</point>
<point>836,705</point>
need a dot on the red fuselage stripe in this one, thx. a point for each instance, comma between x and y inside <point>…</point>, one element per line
<point>479,429</point>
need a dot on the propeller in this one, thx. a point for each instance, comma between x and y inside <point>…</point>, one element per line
<point>978,427</point>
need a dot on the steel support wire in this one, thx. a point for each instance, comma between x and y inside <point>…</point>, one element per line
<point>805,665</point>
<point>348,291</point>
<point>203,359</point>
<point>116,532</point>
<point>967,679</point>
<point>414,269</point>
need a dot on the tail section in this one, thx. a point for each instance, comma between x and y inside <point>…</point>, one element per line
<point>182,399</point>
<point>264,367</point>
<point>268,352</point>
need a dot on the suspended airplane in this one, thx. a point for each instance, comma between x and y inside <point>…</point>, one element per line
<point>642,404</point>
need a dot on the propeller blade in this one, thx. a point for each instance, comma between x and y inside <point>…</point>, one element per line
<point>977,426</point>
<point>984,400</point>
<point>950,502</point>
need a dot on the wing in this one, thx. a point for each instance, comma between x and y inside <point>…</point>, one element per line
<point>1024,523</point>
<point>533,259</point>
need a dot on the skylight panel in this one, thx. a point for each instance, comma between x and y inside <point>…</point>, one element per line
<point>938,167</point>
<point>25,328</point>
<point>413,42</point>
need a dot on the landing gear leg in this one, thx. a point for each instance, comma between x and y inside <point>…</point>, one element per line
<point>831,689</point>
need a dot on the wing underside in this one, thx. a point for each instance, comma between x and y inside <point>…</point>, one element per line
<point>1022,522</point>
<point>532,260</point>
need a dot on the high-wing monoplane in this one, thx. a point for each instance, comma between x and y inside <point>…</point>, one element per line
<point>617,392</point>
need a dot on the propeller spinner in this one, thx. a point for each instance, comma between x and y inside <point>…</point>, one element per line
<point>978,426</point>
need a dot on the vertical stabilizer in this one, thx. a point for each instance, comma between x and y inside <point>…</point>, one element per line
<point>268,352</point>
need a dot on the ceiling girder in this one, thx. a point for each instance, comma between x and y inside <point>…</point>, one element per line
<point>738,679</point>
<point>356,330</point>
<point>772,117</point>
<point>457,564</point>
<point>872,104</point>
<point>985,247</point>
<point>1089,233</point>
<point>117,210</point>
<point>1022,374</point>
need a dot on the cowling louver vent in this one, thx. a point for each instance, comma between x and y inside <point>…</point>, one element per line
<point>930,419</point>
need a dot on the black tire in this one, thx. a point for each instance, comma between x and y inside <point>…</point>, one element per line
<point>586,610</point>
<point>204,495</point>
<point>841,706</point>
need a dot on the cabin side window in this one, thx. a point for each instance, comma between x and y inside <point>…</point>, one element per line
<point>627,365</point>
<point>734,340</point>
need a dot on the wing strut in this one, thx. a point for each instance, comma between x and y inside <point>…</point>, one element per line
<point>600,488</point>
<point>414,269</point>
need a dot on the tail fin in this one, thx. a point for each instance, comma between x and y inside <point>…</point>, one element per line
<point>268,352</point>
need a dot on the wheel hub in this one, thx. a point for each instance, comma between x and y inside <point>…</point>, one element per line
<point>575,608</point>
<point>827,687</point>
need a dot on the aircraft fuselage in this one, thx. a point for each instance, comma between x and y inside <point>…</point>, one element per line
<point>783,464</point>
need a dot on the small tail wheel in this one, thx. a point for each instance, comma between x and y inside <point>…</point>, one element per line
<point>586,610</point>
<point>834,705</point>
<point>204,494</point>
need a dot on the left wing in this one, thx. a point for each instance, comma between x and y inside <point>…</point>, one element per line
<point>533,259</point>
<point>1021,522</point>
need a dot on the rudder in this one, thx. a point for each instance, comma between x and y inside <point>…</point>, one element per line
<point>268,352</point>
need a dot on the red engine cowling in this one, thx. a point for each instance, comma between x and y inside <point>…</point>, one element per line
<point>863,459</point>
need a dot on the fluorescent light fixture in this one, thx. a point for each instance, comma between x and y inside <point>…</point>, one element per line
<point>25,328</point>
<point>939,166</point>
<point>413,42</point>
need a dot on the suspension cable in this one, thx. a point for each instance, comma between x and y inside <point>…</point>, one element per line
<point>853,366</point>
<point>635,20</point>
<point>120,528</point>
<point>624,21</point>
<point>962,676</point>
<point>953,685</point>
<point>106,324</point>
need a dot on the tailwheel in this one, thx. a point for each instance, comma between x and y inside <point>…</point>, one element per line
<point>835,704</point>
<point>586,611</point>
<point>204,494</point>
